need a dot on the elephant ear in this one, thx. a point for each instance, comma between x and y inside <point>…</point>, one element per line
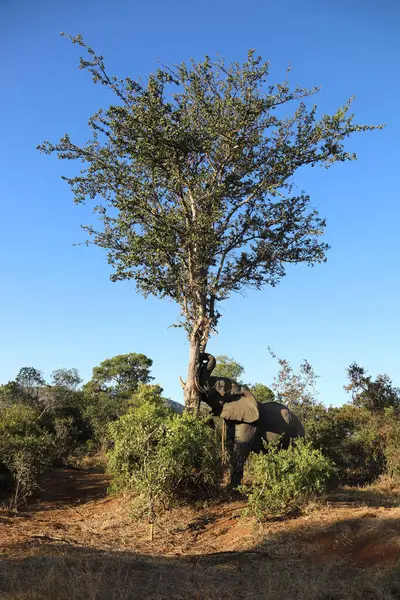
<point>286,415</point>
<point>243,408</point>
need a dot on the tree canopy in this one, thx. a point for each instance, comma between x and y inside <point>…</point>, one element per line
<point>228,367</point>
<point>67,378</point>
<point>376,395</point>
<point>122,373</point>
<point>30,381</point>
<point>191,174</point>
<point>296,389</point>
<point>262,392</point>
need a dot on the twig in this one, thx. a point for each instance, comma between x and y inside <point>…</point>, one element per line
<point>82,520</point>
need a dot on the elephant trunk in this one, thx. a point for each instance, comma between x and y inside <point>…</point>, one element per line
<point>207,365</point>
<point>210,361</point>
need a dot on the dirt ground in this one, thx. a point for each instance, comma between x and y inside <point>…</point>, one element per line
<point>196,552</point>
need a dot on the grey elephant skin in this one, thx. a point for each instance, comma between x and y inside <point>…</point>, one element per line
<point>249,423</point>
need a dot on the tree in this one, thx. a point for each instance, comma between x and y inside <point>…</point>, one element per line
<point>262,392</point>
<point>67,378</point>
<point>297,390</point>
<point>122,373</point>
<point>228,367</point>
<point>374,395</point>
<point>109,393</point>
<point>30,381</point>
<point>192,177</point>
<point>10,393</point>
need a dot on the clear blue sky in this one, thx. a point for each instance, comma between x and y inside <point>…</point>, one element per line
<point>57,306</point>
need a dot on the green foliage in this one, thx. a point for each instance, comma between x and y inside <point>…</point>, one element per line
<point>228,367</point>
<point>389,429</point>
<point>375,395</point>
<point>161,456</point>
<point>192,178</point>
<point>297,390</point>
<point>26,448</point>
<point>66,378</point>
<point>101,409</point>
<point>135,435</point>
<point>191,452</point>
<point>284,481</point>
<point>30,381</point>
<point>62,414</point>
<point>40,425</point>
<point>351,437</point>
<point>122,373</point>
<point>108,393</point>
<point>67,437</point>
<point>9,393</point>
<point>262,392</point>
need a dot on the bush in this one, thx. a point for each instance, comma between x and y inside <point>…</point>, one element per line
<point>351,437</point>
<point>390,432</point>
<point>161,456</point>
<point>66,436</point>
<point>191,452</point>
<point>284,481</point>
<point>26,449</point>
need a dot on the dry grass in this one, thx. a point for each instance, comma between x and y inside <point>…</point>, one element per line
<point>77,544</point>
<point>86,576</point>
<point>97,462</point>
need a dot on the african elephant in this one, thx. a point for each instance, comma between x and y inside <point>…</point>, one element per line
<point>249,422</point>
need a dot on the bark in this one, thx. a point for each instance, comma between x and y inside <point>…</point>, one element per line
<point>191,395</point>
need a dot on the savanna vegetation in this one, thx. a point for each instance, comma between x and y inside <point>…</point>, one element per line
<point>165,480</point>
<point>164,457</point>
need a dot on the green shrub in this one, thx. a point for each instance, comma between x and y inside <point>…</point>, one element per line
<point>101,409</point>
<point>284,481</point>
<point>66,436</point>
<point>192,455</point>
<point>161,456</point>
<point>26,448</point>
<point>390,432</point>
<point>351,437</point>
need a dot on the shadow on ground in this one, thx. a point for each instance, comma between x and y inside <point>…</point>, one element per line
<point>71,486</point>
<point>57,550</point>
<point>341,562</point>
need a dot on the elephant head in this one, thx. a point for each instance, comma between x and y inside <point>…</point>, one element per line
<point>225,397</point>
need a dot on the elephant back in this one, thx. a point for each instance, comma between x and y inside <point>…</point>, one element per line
<point>278,419</point>
<point>225,385</point>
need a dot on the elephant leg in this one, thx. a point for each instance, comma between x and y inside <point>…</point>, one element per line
<point>230,439</point>
<point>245,436</point>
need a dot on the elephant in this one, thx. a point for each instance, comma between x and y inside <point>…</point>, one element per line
<point>249,423</point>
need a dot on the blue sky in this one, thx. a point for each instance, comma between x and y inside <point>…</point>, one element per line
<point>57,305</point>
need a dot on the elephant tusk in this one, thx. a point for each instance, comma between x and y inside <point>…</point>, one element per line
<point>199,388</point>
<point>183,384</point>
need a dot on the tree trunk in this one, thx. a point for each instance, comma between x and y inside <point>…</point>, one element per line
<point>191,395</point>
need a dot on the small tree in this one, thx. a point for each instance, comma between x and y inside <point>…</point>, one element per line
<point>192,176</point>
<point>10,392</point>
<point>67,378</point>
<point>122,373</point>
<point>298,390</point>
<point>228,367</point>
<point>374,395</point>
<point>108,393</point>
<point>262,392</point>
<point>30,381</point>
<point>284,481</point>
<point>26,448</point>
